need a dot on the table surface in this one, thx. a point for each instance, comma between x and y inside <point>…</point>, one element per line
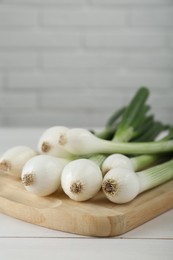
<point>21,240</point>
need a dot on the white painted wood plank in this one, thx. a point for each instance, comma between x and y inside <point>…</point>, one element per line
<point>159,227</point>
<point>56,248</point>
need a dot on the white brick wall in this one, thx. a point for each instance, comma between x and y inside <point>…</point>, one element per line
<point>73,62</point>
<point>87,17</point>
<point>17,16</point>
<point>18,59</point>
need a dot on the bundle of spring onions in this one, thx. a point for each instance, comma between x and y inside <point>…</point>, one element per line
<point>126,158</point>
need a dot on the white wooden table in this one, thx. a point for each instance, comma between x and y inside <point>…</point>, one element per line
<point>20,240</point>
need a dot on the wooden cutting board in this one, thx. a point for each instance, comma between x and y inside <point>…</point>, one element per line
<point>96,217</point>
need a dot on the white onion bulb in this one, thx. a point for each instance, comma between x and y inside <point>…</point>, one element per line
<point>120,185</point>
<point>13,160</point>
<point>116,160</point>
<point>81,179</point>
<point>41,175</point>
<point>80,141</point>
<point>52,142</point>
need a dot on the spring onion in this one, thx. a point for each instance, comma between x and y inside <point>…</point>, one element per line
<point>13,160</point>
<point>81,179</point>
<point>116,160</point>
<point>41,174</point>
<point>81,142</point>
<point>133,124</point>
<point>52,140</point>
<point>121,185</point>
<point>134,163</point>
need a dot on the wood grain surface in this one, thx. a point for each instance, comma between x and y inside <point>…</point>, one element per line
<point>97,217</point>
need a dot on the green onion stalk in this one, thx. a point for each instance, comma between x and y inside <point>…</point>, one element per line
<point>134,124</point>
